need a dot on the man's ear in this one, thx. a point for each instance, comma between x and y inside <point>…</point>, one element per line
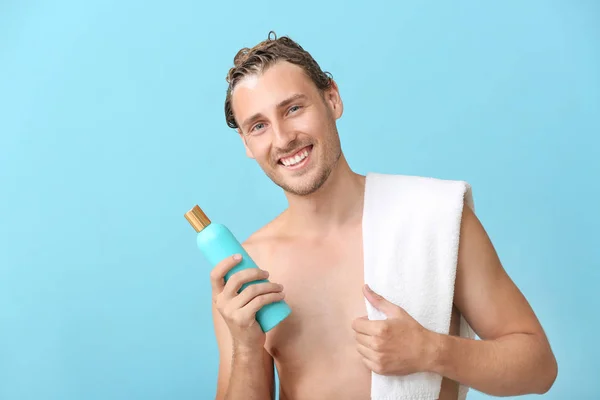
<point>334,100</point>
<point>248,151</point>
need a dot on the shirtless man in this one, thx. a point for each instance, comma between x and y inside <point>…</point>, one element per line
<point>285,110</point>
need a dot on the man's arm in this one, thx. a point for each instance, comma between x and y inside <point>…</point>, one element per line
<point>514,356</point>
<point>243,374</point>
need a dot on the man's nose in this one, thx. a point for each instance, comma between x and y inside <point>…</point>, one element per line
<point>282,135</point>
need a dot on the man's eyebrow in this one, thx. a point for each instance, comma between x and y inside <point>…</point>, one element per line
<point>250,120</point>
<point>291,99</point>
<point>282,104</point>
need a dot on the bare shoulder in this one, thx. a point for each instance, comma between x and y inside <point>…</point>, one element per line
<point>259,244</point>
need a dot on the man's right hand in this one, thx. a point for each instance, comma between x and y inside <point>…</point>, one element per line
<point>239,310</point>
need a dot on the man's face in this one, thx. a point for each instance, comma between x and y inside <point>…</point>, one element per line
<point>288,126</point>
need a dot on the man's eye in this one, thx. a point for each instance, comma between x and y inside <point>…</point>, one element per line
<point>294,109</point>
<point>257,127</point>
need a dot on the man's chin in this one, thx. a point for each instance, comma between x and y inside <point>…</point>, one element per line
<point>302,185</point>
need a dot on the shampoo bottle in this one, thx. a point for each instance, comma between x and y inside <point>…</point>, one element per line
<point>216,243</point>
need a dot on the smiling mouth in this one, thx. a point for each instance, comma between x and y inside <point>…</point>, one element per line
<point>297,159</point>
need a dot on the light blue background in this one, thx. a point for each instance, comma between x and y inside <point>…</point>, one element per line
<point>112,126</point>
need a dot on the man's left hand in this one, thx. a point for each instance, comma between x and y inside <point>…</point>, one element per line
<point>398,345</point>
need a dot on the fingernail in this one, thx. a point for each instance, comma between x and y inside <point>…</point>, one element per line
<point>372,292</point>
<point>237,257</point>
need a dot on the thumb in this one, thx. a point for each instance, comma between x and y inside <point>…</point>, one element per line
<point>382,304</point>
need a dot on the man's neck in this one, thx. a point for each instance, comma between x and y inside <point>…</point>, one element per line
<point>337,204</point>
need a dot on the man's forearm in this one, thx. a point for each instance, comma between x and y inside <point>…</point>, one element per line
<point>512,365</point>
<point>248,378</point>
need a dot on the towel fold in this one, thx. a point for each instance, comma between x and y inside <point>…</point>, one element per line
<point>411,229</point>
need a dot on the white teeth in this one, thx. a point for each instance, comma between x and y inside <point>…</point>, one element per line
<point>288,162</point>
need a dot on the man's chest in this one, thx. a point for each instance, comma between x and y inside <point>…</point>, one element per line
<point>323,286</point>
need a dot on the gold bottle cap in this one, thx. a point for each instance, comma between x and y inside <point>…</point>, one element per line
<point>197,218</point>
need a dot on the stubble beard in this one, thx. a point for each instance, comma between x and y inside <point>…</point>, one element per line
<point>312,180</point>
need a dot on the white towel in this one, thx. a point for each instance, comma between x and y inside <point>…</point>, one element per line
<point>411,229</point>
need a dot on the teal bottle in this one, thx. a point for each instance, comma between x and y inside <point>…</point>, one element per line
<point>216,243</point>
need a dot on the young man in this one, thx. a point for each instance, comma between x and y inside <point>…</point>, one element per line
<point>285,110</point>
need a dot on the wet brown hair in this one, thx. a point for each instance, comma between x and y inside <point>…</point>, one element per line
<point>255,60</point>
